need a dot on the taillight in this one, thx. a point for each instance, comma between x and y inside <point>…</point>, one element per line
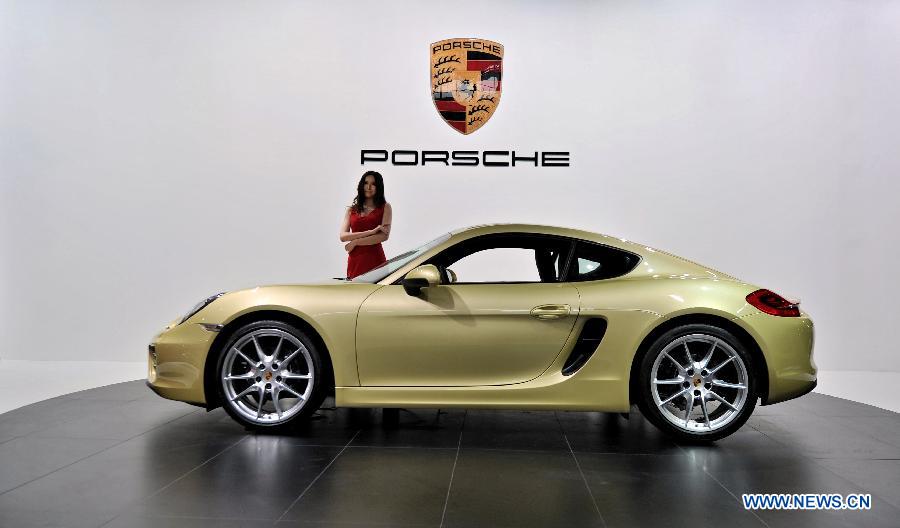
<point>773,304</point>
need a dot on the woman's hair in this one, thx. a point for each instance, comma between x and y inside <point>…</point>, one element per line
<point>360,199</point>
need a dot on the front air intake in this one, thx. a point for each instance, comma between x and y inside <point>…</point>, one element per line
<point>591,334</point>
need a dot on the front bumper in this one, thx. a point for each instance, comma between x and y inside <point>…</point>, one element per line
<point>176,360</point>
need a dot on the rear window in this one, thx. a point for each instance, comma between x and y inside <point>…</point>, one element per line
<point>597,262</point>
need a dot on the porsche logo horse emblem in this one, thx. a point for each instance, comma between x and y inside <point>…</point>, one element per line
<point>465,81</point>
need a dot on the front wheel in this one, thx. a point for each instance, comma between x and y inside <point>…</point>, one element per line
<point>270,375</point>
<point>697,382</point>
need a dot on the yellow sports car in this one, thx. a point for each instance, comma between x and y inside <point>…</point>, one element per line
<point>499,317</point>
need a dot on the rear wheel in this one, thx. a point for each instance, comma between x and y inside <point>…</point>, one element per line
<point>697,382</point>
<point>270,376</point>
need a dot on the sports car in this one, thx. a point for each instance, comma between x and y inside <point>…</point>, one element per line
<point>498,317</point>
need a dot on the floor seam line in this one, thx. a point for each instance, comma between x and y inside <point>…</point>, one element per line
<point>817,462</point>
<point>66,421</point>
<point>310,485</point>
<point>453,471</point>
<point>170,484</point>
<point>728,491</point>
<point>580,472</point>
<point>84,457</point>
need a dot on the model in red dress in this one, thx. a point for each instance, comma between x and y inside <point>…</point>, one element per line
<point>366,225</point>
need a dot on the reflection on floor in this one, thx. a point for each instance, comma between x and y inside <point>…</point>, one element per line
<point>120,456</point>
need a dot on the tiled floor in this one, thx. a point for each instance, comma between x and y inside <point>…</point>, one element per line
<point>119,456</point>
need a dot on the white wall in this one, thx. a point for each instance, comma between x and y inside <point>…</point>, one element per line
<point>152,153</point>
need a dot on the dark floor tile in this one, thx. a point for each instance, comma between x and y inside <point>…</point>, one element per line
<point>820,405</point>
<point>376,485</point>
<point>880,477</point>
<point>822,438</point>
<point>653,490</point>
<point>120,422</point>
<point>109,482</point>
<point>518,489</point>
<point>832,406</point>
<point>310,524</point>
<point>803,405</point>
<point>806,478</point>
<point>256,479</point>
<point>882,428</point>
<point>829,519</point>
<point>513,430</point>
<point>332,427</point>
<point>746,449</point>
<point>613,433</point>
<point>415,428</point>
<point>143,521</point>
<point>18,517</point>
<point>36,409</point>
<point>212,423</point>
<point>23,459</point>
<point>52,412</point>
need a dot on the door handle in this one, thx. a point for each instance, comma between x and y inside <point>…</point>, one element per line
<point>551,311</point>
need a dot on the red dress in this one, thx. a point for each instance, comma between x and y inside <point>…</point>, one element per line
<point>365,258</point>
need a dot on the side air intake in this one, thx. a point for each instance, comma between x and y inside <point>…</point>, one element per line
<point>591,335</point>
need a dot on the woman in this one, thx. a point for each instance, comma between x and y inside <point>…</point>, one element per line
<point>367,223</point>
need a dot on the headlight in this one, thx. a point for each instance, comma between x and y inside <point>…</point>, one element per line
<point>200,305</point>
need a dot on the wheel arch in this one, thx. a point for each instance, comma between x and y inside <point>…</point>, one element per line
<point>209,369</point>
<point>760,366</point>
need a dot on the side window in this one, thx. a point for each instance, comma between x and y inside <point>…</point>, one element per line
<point>505,258</point>
<point>497,265</point>
<point>597,262</point>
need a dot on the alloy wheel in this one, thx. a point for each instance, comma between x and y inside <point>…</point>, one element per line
<point>699,383</point>
<point>267,376</point>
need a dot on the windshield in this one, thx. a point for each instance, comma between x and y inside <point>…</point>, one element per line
<point>398,262</point>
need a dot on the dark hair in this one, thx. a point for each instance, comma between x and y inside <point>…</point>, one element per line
<point>360,199</point>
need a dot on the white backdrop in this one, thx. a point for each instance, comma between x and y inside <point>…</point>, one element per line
<point>153,153</point>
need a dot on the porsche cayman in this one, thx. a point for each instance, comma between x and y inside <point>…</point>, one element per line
<point>498,317</point>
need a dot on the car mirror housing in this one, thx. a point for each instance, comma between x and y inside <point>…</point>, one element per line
<point>421,277</point>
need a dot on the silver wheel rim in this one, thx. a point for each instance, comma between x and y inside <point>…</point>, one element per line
<point>268,376</point>
<point>699,383</point>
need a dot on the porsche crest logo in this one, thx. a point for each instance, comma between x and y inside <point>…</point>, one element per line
<point>465,81</point>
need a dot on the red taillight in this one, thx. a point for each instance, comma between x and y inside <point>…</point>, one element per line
<point>774,304</point>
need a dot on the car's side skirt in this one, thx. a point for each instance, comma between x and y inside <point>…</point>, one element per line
<point>568,394</point>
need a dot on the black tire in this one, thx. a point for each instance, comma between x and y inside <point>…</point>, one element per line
<point>319,381</point>
<point>648,405</point>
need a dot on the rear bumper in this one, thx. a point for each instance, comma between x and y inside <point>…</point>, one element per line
<point>805,389</point>
<point>787,345</point>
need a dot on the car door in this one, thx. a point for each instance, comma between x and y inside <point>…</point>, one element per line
<point>503,321</point>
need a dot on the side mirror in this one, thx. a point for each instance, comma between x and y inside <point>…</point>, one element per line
<point>421,277</point>
<point>451,275</point>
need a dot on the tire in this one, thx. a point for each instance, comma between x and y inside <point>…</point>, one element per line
<point>720,383</point>
<point>288,374</point>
